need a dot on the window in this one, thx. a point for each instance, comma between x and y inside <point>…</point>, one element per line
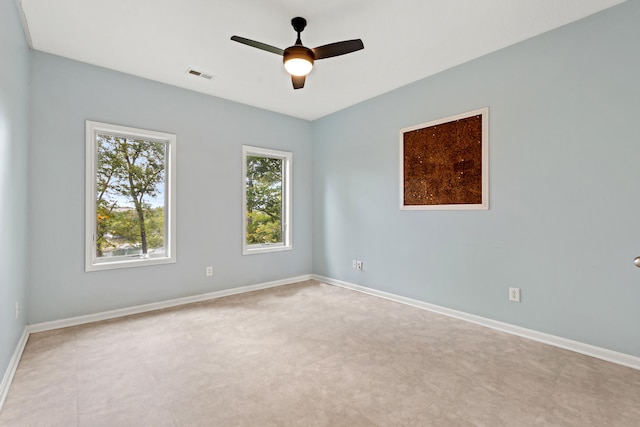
<point>130,201</point>
<point>267,200</point>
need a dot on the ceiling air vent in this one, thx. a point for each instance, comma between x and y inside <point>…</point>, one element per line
<point>202,74</point>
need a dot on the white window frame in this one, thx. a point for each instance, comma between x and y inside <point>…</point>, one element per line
<point>92,130</point>
<point>287,167</point>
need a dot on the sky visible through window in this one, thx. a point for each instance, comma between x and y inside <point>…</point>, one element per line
<point>154,202</point>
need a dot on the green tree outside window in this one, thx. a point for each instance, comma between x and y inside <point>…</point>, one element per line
<point>264,199</point>
<point>130,176</point>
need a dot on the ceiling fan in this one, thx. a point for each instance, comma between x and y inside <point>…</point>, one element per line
<point>298,59</point>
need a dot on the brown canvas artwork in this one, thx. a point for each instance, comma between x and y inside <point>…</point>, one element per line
<point>443,163</point>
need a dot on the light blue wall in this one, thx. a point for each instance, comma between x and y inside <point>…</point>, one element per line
<point>564,166</point>
<point>14,85</point>
<point>210,134</point>
<point>564,218</point>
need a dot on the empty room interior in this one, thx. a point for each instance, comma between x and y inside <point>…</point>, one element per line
<point>436,223</point>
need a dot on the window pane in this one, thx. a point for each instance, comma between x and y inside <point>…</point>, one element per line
<point>264,200</point>
<point>130,198</point>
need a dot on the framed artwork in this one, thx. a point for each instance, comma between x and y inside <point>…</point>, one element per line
<point>444,164</point>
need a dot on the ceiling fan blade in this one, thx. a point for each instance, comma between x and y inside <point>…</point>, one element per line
<point>258,45</point>
<point>338,48</point>
<point>298,81</point>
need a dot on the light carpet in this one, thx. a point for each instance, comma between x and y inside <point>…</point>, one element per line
<point>309,354</point>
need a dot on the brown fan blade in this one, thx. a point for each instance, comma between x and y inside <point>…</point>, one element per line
<point>337,49</point>
<point>298,81</point>
<point>258,45</point>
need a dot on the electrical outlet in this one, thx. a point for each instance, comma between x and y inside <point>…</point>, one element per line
<point>209,271</point>
<point>359,265</point>
<point>514,294</point>
<point>17,310</point>
<point>354,263</point>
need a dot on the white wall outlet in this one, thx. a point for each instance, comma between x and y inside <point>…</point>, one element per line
<point>354,263</point>
<point>359,265</point>
<point>209,271</point>
<point>514,294</point>
<point>17,310</point>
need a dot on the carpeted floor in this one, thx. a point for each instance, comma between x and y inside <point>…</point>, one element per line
<point>309,354</point>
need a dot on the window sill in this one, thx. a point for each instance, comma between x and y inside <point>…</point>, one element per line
<point>253,250</point>
<point>137,262</point>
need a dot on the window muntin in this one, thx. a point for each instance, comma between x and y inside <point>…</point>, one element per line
<point>130,209</point>
<point>266,200</point>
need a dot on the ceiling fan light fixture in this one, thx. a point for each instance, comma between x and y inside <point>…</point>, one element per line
<point>298,66</point>
<point>298,60</point>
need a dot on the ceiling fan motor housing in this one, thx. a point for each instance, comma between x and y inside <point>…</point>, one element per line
<point>298,52</point>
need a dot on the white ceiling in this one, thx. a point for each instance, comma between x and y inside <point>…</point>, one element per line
<point>405,40</point>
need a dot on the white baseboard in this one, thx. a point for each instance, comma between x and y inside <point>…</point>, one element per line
<point>106,315</point>
<point>586,349</point>
<point>13,365</point>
